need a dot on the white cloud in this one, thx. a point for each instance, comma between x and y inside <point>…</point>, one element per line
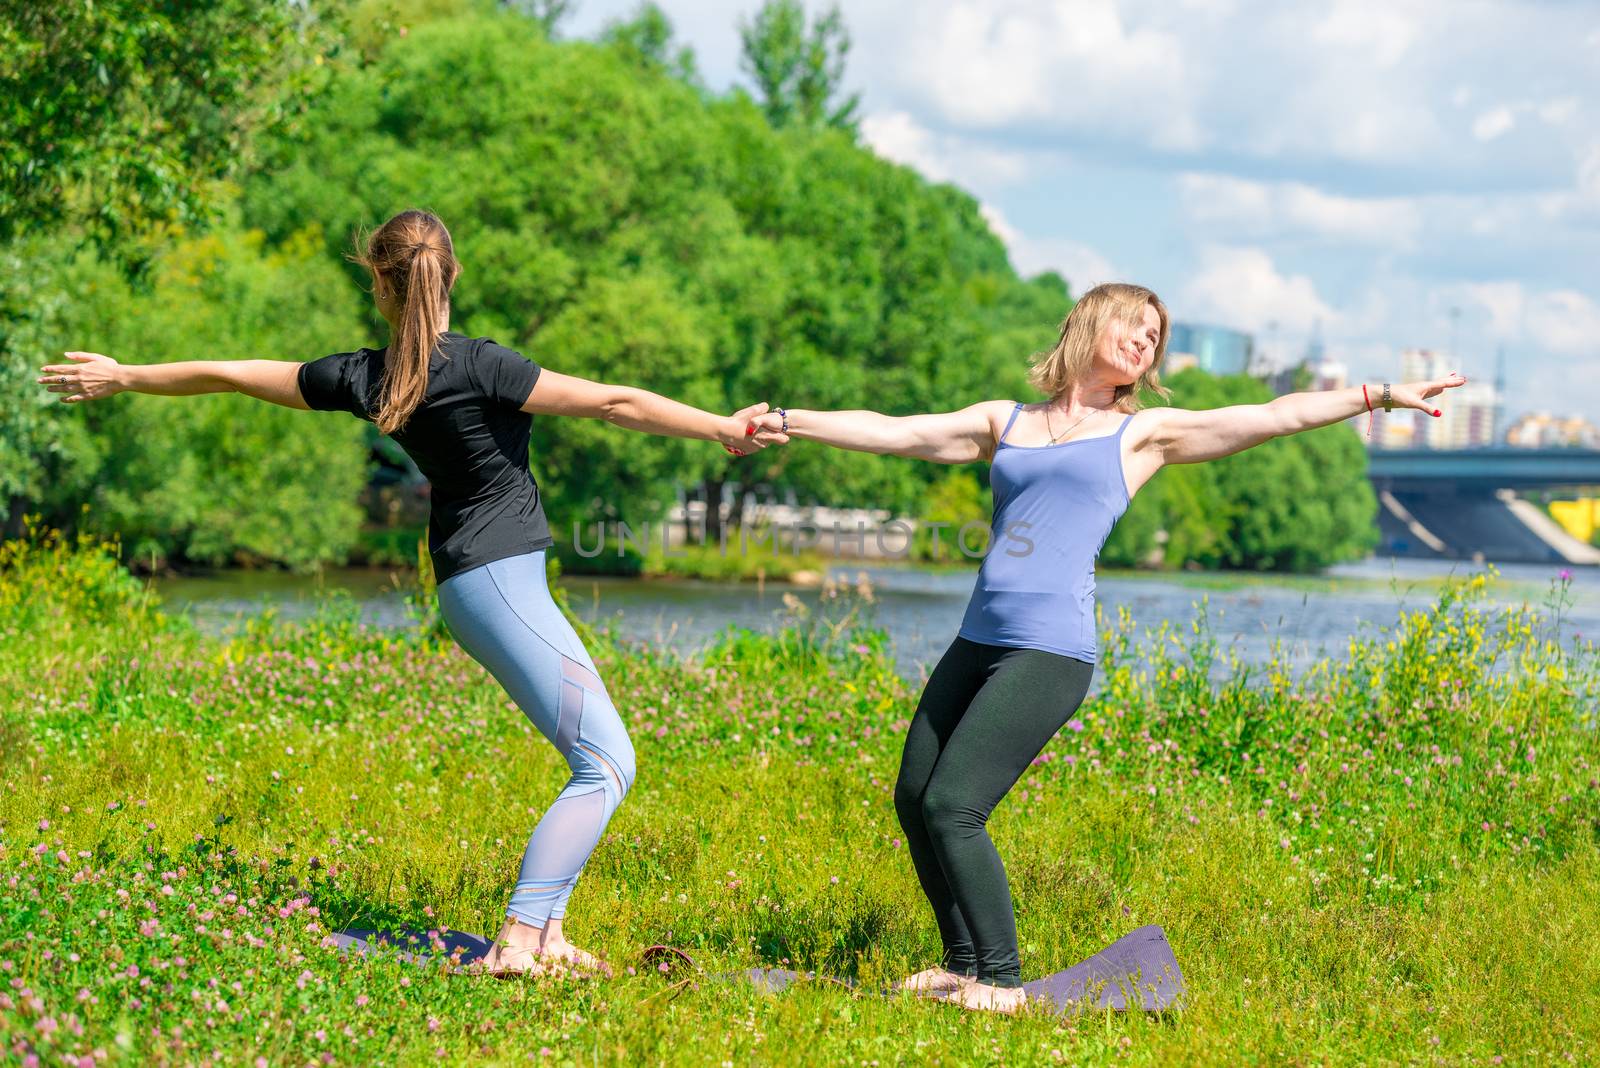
<point>897,136</point>
<point>1250,208</point>
<point>1566,322</point>
<point>1000,63</point>
<point>1550,338</point>
<point>1559,110</point>
<point>1493,123</point>
<point>1082,266</point>
<point>1369,82</point>
<point>1504,303</point>
<point>1378,30</point>
<point>1589,174</point>
<point>1241,287</point>
<point>1551,341</point>
<point>1561,321</point>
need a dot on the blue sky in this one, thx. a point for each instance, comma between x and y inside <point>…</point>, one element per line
<point>1366,166</point>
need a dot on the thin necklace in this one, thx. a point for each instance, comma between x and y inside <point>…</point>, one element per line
<point>1056,437</point>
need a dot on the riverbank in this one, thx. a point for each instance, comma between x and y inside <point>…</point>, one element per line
<point>1382,860</point>
<point>1262,618</point>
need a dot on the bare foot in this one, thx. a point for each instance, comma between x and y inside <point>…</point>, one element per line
<point>508,961</point>
<point>567,953</point>
<point>558,948</point>
<point>932,979</point>
<point>518,951</point>
<point>982,996</point>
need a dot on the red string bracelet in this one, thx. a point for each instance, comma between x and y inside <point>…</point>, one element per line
<point>1369,409</point>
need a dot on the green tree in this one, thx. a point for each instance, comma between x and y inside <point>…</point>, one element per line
<point>1293,504</point>
<point>954,500</point>
<point>549,14</point>
<point>647,39</point>
<point>117,119</point>
<point>798,70</point>
<point>120,113</point>
<point>225,478</point>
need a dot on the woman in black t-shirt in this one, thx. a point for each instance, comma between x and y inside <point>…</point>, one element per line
<point>461,408</point>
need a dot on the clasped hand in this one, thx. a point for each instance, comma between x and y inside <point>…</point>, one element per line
<point>753,429</point>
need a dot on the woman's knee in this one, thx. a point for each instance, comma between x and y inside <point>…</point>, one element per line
<point>626,761</point>
<point>907,804</point>
<point>612,750</point>
<point>949,809</point>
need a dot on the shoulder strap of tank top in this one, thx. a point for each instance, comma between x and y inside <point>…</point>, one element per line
<point>1013,419</point>
<point>1125,421</point>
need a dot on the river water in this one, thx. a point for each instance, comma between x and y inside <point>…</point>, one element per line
<point>921,609</point>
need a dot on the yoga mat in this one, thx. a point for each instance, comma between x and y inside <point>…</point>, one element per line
<point>1137,972</point>
<point>414,947</point>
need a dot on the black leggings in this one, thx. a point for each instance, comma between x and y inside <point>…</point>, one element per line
<point>986,713</point>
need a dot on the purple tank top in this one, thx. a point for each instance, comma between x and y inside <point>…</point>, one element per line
<point>1054,507</point>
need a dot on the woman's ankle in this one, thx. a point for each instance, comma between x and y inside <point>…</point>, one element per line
<point>521,933</point>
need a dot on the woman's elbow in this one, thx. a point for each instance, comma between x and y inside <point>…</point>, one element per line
<point>1282,417</point>
<point>617,406</point>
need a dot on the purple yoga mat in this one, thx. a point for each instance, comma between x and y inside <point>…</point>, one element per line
<point>1136,972</point>
<point>414,947</point>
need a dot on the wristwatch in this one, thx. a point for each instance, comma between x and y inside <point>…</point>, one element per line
<point>1388,401</point>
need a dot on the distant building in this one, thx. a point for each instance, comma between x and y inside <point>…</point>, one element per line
<point>1468,420</point>
<point>1540,430</point>
<point>1392,430</point>
<point>1470,411</point>
<point>1329,374</point>
<point>1309,375</point>
<point>1178,361</point>
<point>1213,348</point>
<point>1419,364</point>
<point>1315,371</point>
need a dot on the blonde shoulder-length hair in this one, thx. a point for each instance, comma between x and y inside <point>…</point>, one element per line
<point>1055,371</point>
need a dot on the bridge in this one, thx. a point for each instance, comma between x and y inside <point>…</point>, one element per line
<point>1465,504</point>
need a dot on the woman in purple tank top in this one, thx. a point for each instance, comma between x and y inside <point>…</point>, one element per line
<point>1063,470</point>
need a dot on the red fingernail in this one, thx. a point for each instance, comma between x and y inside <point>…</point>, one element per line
<point>1437,412</point>
<point>749,430</point>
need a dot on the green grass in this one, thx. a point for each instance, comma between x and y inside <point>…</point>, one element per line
<point>1388,859</point>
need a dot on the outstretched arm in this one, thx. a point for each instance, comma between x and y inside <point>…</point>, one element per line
<point>91,376</point>
<point>958,437</point>
<point>649,413</point>
<point>1180,436</point>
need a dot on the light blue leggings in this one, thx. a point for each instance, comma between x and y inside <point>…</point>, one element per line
<point>502,614</point>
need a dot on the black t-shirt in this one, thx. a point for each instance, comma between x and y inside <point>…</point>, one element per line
<point>469,436</point>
